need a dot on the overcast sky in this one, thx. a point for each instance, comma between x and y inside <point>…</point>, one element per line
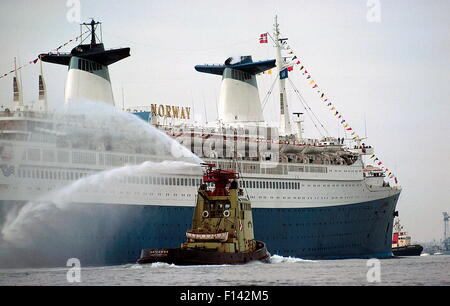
<point>394,73</point>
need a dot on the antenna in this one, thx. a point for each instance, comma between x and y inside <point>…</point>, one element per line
<point>206,114</point>
<point>446,230</point>
<point>285,124</point>
<point>193,108</point>
<point>42,89</point>
<point>92,27</point>
<point>17,86</point>
<point>123,99</point>
<point>338,128</point>
<point>204,108</point>
<point>365,126</point>
<point>299,124</point>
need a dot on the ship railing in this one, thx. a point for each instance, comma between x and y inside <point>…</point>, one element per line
<point>25,114</point>
<point>59,53</point>
<point>213,65</point>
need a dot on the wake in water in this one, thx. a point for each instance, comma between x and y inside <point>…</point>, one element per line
<point>277,259</point>
<point>274,259</point>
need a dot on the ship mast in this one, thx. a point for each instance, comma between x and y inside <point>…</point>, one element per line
<point>285,124</point>
<point>42,90</point>
<point>17,87</point>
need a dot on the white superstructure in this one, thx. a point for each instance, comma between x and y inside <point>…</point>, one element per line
<point>41,168</point>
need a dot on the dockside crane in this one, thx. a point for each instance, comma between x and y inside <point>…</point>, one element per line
<point>446,231</point>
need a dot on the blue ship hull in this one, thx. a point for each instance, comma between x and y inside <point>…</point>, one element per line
<point>100,234</point>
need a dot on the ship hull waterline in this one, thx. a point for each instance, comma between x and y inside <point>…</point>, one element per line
<point>410,250</point>
<point>185,257</point>
<point>109,234</point>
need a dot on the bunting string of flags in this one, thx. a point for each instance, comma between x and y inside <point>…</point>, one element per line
<point>34,61</point>
<point>293,61</point>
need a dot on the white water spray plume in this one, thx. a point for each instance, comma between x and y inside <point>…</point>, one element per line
<point>60,222</point>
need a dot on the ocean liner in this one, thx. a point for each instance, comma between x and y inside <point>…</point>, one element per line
<point>311,198</point>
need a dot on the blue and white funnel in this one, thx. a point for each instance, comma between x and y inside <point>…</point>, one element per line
<point>239,98</point>
<point>88,76</point>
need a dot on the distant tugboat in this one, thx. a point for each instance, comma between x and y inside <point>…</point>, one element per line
<point>401,243</point>
<point>222,227</point>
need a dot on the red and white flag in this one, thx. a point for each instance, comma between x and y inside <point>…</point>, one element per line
<point>240,225</point>
<point>263,38</point>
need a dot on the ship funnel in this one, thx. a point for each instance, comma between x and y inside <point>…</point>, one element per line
<point>88,76</point>
<point>239,98</point>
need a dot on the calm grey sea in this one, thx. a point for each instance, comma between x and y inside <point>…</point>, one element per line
<point>423,270</point>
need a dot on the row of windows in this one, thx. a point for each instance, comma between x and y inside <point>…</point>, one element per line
<point>171,181</point>
<point>349,171</point>
<point>52,175</point>
<point>156,180</point>
<point>151,194</point>
<point>270,185</point>
<point>334,185</point>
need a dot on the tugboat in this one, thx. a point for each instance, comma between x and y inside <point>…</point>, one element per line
<point>222,227</point>
<point>401,242</point>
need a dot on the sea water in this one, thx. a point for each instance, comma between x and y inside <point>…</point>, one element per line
<point>283,271</point>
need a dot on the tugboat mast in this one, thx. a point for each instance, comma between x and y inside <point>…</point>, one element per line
<point>285,124</point>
